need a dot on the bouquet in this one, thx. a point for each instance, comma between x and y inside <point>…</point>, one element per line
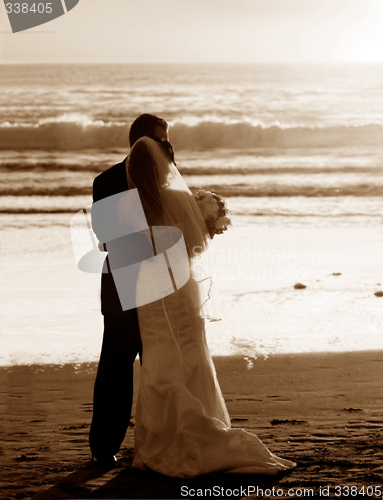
<point>214,211</point>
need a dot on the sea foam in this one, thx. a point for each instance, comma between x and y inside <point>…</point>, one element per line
<point>78,132</point>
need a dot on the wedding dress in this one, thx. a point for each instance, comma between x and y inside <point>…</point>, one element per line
<point>182,425</point>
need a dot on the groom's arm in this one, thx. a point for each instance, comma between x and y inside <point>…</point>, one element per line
<point>109,183</point>
<point>97,216</point>
<point>125,250</point>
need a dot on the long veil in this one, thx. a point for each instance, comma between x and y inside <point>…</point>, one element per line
<point>167,201</point>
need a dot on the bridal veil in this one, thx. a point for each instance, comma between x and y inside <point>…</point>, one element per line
<point>167,201</point>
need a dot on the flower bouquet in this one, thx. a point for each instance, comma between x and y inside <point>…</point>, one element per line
<point>214,211</point>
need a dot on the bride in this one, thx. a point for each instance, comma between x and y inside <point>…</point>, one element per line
<point>182,424</point>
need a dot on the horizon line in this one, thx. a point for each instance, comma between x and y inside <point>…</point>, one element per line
<point>332,61</point>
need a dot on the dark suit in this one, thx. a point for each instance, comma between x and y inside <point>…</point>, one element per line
<point>113,390</point>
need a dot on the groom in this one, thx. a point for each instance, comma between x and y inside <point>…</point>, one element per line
<point>113,389</point>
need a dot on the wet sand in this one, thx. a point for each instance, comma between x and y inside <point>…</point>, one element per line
<point>322,411</point>
<point>50,310</point>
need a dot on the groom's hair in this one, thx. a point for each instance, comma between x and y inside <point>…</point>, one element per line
<point>145,125</point>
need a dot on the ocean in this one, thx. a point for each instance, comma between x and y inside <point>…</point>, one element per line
<point>245,130</point>
<point>289,146</point>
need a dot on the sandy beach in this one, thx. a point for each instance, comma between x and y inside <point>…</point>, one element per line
<point>320,410</point>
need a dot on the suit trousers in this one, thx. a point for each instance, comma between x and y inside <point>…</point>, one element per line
<point>113,389</point>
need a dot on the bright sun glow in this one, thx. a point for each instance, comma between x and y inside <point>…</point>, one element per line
<point>362,39</point>
<point>203,31</point>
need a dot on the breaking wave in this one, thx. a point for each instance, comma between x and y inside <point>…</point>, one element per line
<point>78,132</point>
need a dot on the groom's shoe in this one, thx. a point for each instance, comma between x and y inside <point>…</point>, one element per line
<point>107,461</point>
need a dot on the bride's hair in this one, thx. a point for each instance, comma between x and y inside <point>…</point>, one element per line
<point>144,175</point>
<point>145,125</point>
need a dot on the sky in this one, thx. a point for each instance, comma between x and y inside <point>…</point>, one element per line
<point>147,31</point>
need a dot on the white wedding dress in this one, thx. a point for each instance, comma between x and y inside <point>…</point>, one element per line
<point>182,425</point>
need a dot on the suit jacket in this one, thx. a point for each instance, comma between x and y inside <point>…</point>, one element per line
<point>122,251</point>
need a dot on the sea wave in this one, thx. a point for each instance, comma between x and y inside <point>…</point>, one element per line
<point>79,132</point>
<point>299,207</point>
<point>361,189</point>
<point>30,165</point>
<point>290,190</point>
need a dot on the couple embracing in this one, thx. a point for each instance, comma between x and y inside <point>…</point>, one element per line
<point>182,425</point>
